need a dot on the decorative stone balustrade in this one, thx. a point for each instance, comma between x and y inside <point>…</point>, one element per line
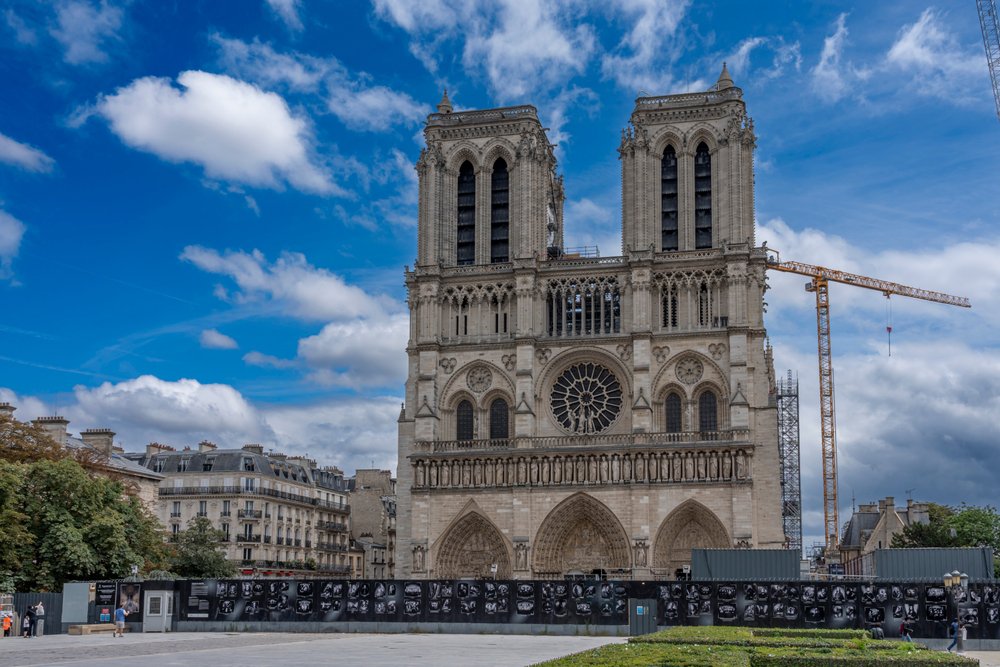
<point>695,438</point>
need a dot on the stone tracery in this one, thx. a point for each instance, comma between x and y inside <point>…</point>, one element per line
<point>470,547</point>
<point>691,525</point>
<point>580,535</point>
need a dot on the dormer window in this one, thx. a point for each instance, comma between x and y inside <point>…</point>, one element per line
<point>248,465</point>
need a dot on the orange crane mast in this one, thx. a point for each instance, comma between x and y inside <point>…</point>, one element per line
<point>820,277</point>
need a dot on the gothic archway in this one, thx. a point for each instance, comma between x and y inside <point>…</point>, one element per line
<point>468,549</point>
<point>691,525</point>
<point>580,535</point>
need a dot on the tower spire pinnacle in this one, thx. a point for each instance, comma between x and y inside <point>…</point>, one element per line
<point>725,81</point>
<point>444,106</point>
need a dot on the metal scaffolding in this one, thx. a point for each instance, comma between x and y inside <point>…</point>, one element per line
<point>788,447</point>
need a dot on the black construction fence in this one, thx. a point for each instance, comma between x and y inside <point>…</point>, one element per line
<point>927,608</point>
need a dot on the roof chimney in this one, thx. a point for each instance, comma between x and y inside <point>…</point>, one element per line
<point>54,427</point>
<point>206,446</point>
<point>101,439</point>
<point>154,448</point>
<point>256,449</point>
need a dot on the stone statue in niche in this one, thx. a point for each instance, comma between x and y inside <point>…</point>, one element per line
<point>741,465</point>
<point>418,558</point>
<point>641,550</point>
<point>521,556</point>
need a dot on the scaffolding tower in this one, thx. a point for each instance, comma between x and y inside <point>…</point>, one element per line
<point>788,447</point>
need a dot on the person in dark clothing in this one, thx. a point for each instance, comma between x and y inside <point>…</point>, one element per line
<point>904,632</point>
<point>953,632</point>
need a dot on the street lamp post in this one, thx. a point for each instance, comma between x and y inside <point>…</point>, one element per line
<point>957,583</point>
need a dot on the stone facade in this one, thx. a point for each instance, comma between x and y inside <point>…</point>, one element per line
<point>568,414</point>
<point>373,520</point>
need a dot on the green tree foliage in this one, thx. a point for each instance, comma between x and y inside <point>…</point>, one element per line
<point>59,523</point>
<point>965,526</point>
<point>198,554</point>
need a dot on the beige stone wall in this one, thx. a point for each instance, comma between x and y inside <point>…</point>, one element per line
<point>689,322</point>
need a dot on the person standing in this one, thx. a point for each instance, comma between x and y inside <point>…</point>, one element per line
<point>39,625</point>
<point>120,615</point>
<point>32,618</point>
<point>7,622</point>
<point>904,632</point>
<point>25,626</point>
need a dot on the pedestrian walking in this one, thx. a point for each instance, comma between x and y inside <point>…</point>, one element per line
<point>953,633</point>
<point>7,622</point>
<point>904,632</point>
<point>120,615</point>
<point>25,626</point>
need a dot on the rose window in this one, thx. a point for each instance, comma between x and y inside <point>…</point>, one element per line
<point>586,398</point>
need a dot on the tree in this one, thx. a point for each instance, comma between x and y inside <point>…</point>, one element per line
<point>199,555</point>
<point>967,526</point>
<point>936,533</point>
<point>23,442</point>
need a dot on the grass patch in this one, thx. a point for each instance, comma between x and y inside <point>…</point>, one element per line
<point>707,646</point>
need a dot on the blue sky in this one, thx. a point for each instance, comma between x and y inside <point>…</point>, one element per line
<point>205,207</point>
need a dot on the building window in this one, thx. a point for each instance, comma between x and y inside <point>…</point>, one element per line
<point>704,306</point>
<point>464,424</point>
<point>498,420</point>
<point>207,465</point>
<point>202,508</point>
<point>668,200</point>
<point>466,244</point>
<point>500,213</point>
<point>584,308</point>
<point>182,465</point>
<point>226,508</point>
<point>248,554</point>
<point>673,408</point>
<point>708,412</point>
<point>158,465</point>
<point>176,509</point>
<point>248,484</point>
<point>248,464</point>
<point>175,529</point>
<point>670,307</point>
<point>702,197</point>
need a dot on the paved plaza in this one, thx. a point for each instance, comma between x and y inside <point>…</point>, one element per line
<point>290,649</point>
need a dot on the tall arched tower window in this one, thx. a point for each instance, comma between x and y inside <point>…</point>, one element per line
<point>668,200</point>
<point>463,421</point>
<point>466,242</point>
<point>498,420</point>
<point>500,213</point>
<point>673,408</point>
<point>708,413</point>
<point>702,197</point>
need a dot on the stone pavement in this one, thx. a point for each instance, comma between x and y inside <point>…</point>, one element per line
<point>290,649</point>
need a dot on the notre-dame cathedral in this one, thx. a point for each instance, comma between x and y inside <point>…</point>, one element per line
<point>568,414</point>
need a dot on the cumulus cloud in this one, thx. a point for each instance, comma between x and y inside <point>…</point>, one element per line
<point>291,283</point>
<point>358,353</point>
<point>920,418</point>
<point>234,130</point>
<point>288,12</point>
<point>83,28</point>
<point>185,409</point>
<point>213,339</point>
<point>24,156</point>
<point>255,358</point>
<point>11,233</point>
<point>354,99</point>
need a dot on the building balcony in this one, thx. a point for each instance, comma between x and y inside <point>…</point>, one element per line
<point>603,441</point>
<point>249,514</point>
<point>309,544</point>
<point>225,515</point>
<point>224,538</point>
<point>175,515</point>
<point>298,542</point>
<point>332,526</point>
<point>281,541</point>
<point>267,539</point>
<point>201,491</point>
<point>331,546</point>
<point>248,538</point>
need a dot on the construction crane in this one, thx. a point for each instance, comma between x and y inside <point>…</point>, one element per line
<point>990,23</point>
<point>820,277</point>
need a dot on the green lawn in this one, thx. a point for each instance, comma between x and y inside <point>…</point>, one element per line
<point>707,646</point>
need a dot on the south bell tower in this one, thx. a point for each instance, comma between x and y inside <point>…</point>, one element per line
<point>569,414</point>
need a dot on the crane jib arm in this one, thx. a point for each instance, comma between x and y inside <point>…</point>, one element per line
<point>886,287</point>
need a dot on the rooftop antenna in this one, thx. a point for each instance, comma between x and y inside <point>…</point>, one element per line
<point>909,494</point>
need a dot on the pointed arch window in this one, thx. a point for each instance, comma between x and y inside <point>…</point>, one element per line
<point>670,307</point>
<point>668,200</point>
<point>500,213</point>
<point>702,197</point>
<point>673,413</point>
<point>708,412</point>
<point>499,426</point>
<point>463,421</point>
<point>466,242</point>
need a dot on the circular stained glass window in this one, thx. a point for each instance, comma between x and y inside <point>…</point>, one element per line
<point>586,398</point>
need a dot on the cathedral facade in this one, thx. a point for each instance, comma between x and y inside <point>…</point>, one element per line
<point>567,414</point>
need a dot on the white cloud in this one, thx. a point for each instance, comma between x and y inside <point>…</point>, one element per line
<point>255,358</point>
<point>22,32</point>
<point>24,156</point>
<point>353,99</point>
<point>358,353</point>
<point>213,339</point>
<point>288,12</point>
<point>739,61</point>
<point>830,79</point>
<point>297,288</point>
<point>644,57</point>
<point>185,408</point>
<point>11,233</point>
<point>783,55</point>
<point>589,223</point>
<point>234,130</point>
<point>939,65</point>
<point>84,28</point>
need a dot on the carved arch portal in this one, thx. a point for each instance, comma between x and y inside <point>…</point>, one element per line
<point>468,549</point>
<point>690,526</point>
<point>580,535</point>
